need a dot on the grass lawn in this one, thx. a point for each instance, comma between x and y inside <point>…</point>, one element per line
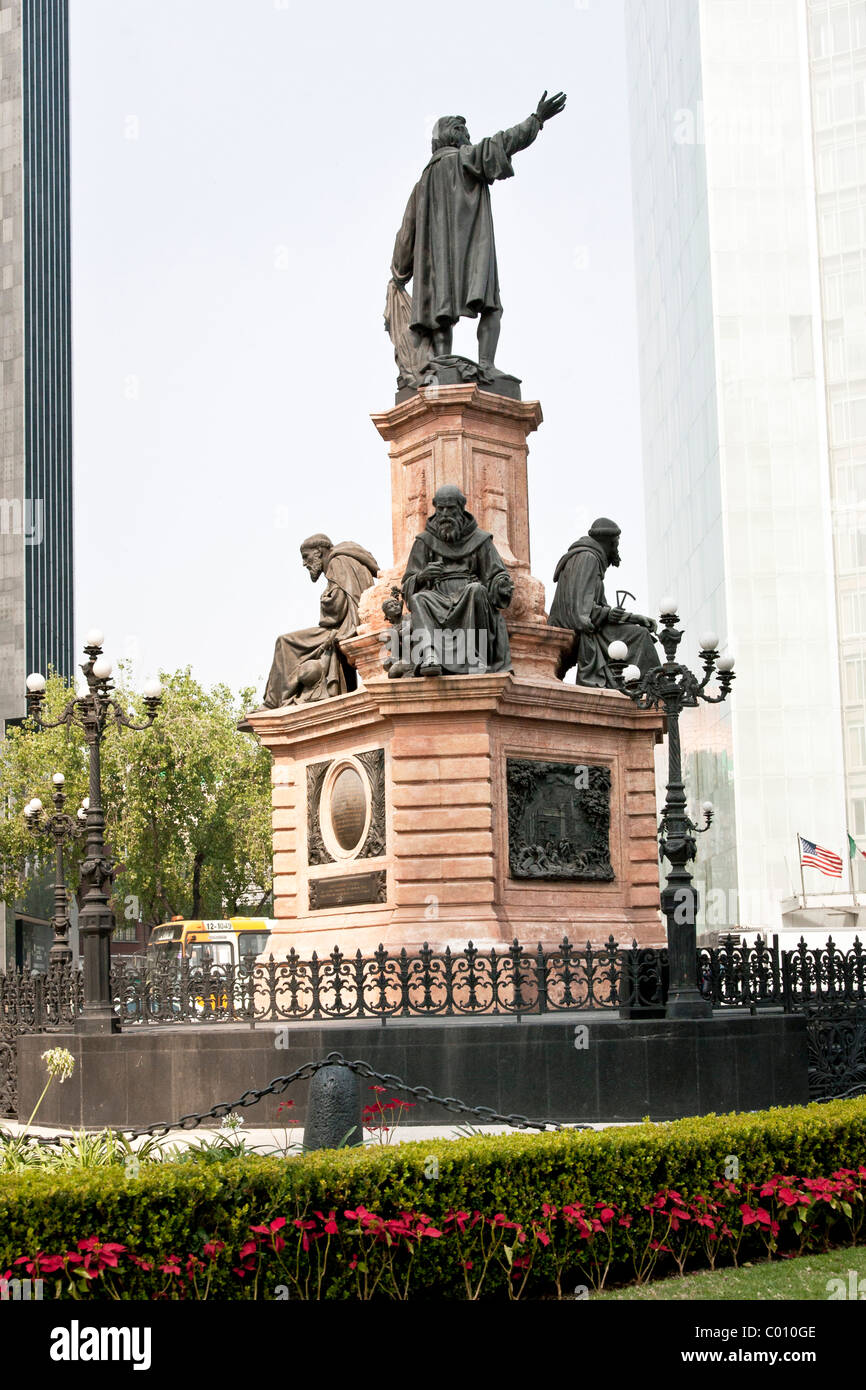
<point>804,1278</point>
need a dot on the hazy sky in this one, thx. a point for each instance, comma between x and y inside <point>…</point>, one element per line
<point>239,171</point>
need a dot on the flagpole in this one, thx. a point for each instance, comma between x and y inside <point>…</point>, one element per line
<point>800,859</point>
<point>851,869</point>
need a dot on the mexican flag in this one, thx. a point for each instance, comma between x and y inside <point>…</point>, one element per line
<point>853,851</point>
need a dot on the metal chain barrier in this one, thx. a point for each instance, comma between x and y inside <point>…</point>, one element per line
<point>304,1073</point>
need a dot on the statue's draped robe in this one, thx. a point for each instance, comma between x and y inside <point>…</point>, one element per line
<point>580,603</point>
<point>445,243</point>
<point>349,570</point>
<point>463,599</point>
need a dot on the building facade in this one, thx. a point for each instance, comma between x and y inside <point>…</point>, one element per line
<point>36,578</point>
<point>749,187</point>
<point>36,584</point>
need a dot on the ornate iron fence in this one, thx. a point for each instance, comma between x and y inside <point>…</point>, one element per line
<point>426,983</point>
<point>762,975</point>
<point>513,981</point>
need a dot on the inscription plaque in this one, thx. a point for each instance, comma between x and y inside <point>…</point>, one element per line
<point>349,890</point>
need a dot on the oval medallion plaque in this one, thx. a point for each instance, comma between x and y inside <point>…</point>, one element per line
<point>348,808</point>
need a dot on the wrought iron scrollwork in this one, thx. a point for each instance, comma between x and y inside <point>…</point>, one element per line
<point>836,1038</point>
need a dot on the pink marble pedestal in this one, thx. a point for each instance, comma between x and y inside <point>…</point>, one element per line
<point>432,754</point>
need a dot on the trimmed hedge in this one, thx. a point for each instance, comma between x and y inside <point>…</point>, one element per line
<point>174,1209</point>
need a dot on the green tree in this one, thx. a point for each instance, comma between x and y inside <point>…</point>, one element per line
<point>187,802</point>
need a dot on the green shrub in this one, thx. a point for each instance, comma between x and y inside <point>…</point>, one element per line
<point>173,1209</point>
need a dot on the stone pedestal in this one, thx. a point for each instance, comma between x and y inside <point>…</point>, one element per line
<point>391,815</point>
<point>469,437</point>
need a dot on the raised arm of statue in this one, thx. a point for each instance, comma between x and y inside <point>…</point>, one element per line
<point>491,158</point>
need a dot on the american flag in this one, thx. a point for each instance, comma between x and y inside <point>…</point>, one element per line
<point>813,856</point>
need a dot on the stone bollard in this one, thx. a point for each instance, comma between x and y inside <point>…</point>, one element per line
<point>333,1109</point>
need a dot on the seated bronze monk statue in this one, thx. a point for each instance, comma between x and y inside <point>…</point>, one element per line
<point>580,604</point>
<point>308,665</point>
<point>455,587</point>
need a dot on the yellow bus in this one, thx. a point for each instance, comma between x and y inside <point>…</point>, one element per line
<point>210,942</point>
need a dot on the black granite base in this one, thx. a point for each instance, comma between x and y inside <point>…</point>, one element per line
<point>544,1068</point>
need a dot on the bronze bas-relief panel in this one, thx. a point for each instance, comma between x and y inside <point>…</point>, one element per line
<point>558,821</point>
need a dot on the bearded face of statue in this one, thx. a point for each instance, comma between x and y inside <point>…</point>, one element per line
<point>449,521</point>
<point>609,544</point>
<point>313,561</point>
<point>450,131</point>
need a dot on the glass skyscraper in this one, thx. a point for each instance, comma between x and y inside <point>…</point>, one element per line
<point>748,126</point>
<point>36,583</point>
<point>36,580</point>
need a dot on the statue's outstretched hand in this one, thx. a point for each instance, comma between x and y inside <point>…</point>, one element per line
<point>549,106</point>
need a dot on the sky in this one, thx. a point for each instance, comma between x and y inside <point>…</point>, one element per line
<point>239,172</point>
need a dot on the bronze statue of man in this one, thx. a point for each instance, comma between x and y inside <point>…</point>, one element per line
<point>580,603</point>
<point>308,665</point>
<point>455,586</point>
<point>445,244</point>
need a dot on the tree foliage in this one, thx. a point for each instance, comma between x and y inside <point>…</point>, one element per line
<point>187,802</point>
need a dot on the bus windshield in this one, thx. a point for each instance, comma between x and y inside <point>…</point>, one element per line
<point>205,954</point>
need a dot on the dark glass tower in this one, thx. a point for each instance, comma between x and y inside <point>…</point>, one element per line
<point>36,578</point>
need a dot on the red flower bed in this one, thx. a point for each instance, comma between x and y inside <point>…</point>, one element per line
<point>365,1254</point>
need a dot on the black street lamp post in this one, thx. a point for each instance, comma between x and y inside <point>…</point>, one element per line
<point>672,688</point>
<point>92,710</point>
<point>63,829</point>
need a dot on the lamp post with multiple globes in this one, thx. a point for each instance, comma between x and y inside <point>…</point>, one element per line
<point>91,709</point>
<point>62,828</point>
<point>672,687</point>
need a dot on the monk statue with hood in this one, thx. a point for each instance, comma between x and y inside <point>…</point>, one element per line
<point>580,603</point>
<point>455,587</point>
<point>309,665</point>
